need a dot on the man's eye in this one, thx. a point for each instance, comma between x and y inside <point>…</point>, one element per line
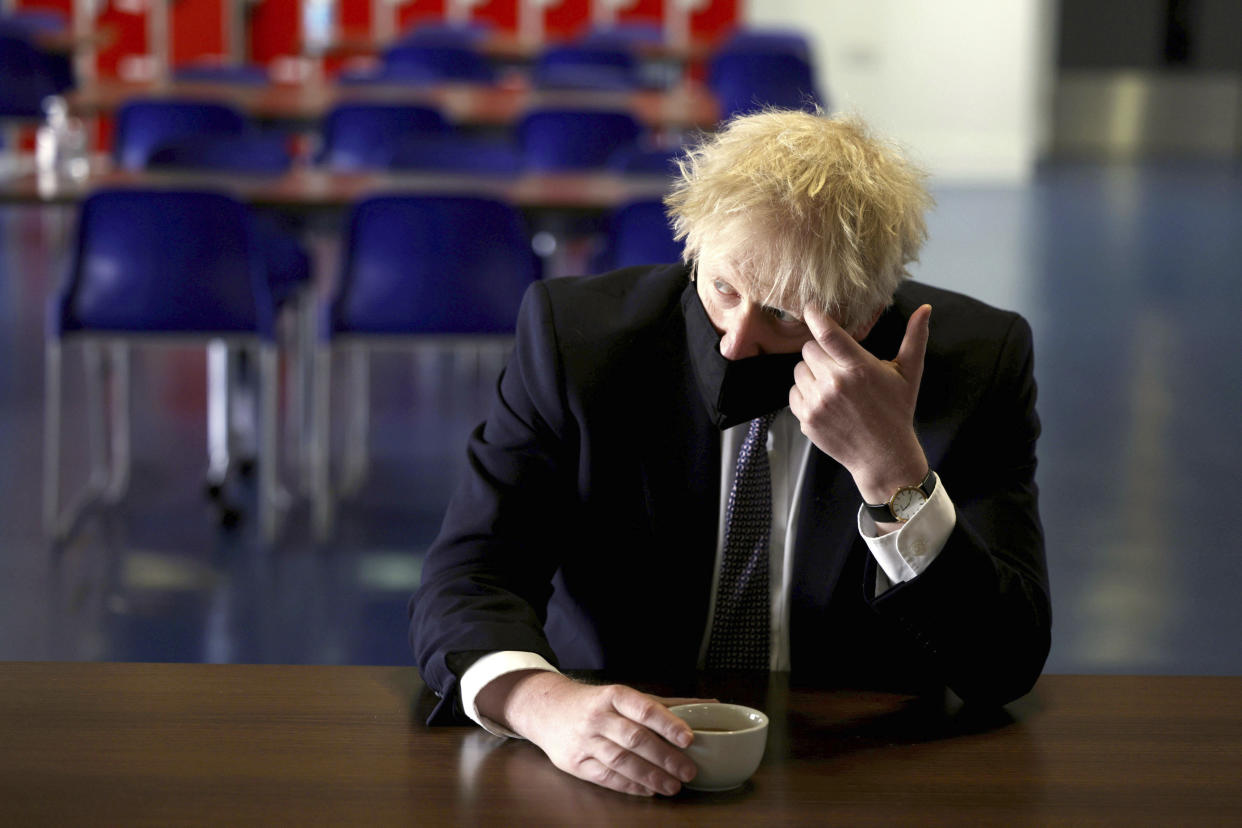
<point>782,315</point>
<point>724,287</point>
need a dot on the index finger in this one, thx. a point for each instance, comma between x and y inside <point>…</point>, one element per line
<point>652,714</point>
<point>834,339</point>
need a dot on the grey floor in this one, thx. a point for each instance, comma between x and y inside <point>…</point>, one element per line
<point>1129,274</point>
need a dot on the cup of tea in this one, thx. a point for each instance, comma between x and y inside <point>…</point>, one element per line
<point>728,743</point>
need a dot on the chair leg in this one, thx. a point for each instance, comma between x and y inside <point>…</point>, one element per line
<point>301,373</point>
<point>119,480</point>
<point>321,442</point>
<point>51,437</point>
<point>217,415</point>
<point>270,505</point>
<point>292,381</point>
<point>306,376</point>
<point>357,423</point>
<point>58,524</point>
<point>96,418</point>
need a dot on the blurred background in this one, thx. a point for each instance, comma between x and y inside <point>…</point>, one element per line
<point>271,501</point>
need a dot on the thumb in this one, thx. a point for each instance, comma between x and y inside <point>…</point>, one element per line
<point>914,345</point>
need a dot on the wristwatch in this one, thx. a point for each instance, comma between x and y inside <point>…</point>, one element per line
<point>904,503</point>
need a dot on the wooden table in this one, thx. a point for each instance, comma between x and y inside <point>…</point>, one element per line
<point>690,106</point>
<point>110,744</point>
<point>312,189</point>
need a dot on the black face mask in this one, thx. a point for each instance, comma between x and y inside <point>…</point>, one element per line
<point>734,390</point>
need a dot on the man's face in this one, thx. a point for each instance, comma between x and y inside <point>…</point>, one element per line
<point>746,325</point>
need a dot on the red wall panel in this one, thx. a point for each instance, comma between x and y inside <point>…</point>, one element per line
<point>63,6</point>
<point>275,29</point>
<point>275,25</point>
<point>418,11</point>
<point>130,38</point>
<point>197,30</point>
<point>501,14</point>
<point>716,20</point>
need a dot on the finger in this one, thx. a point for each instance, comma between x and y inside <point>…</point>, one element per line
<point>797,403</point>
<point>913,348</point>
<point>834,339</point>
<point>817,361</point>
<point>804,377</point>
<point>593,770</point>
<point>638,754</point>
<point>648,712</point>
<point>646,744</point>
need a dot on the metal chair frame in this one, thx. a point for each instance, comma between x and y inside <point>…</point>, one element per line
<point>108,481</point>
<point>355,460</point>
<point>121,327</point>
<point>383,301</point>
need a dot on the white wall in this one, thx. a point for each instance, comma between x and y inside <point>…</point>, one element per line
<point>965,85</point>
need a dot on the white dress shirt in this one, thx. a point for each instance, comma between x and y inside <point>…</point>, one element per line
<point>900,555</point>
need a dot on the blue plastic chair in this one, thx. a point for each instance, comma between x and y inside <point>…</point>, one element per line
<point>574,139</point>
<point>640,160</point>
<point>415,268</point>
<point>585,67</point>
<point>622,35</point>
<point>790,41</point>
<point>744,81</point>
<point>361,136</point>
<point>155,266</point>
<point>641,39</point>
<point>288,269</point>
<point>638,233</point>
<point>27,25</point>
<point>34,21</point>
<point>26,78</point>
<point>438,33</point>
<point>145,126</point>
<point>431,265</point>
<point>246,74</point>
<point>252,154</point>
<point>286,262</point>
<point>437,63</point>
<point>450,152</point>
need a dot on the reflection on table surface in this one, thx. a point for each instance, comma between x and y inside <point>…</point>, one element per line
<point>231,744</point>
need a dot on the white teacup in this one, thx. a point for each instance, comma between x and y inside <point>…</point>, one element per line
<point>728,743</point>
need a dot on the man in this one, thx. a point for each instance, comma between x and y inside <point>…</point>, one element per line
<point>867,517</point>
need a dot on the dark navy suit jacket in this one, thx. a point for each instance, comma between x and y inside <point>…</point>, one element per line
<point>585,527</point>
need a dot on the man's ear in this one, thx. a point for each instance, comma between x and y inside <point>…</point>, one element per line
<point>861,332</point>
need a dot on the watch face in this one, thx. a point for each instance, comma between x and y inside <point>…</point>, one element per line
<point>906,502</point>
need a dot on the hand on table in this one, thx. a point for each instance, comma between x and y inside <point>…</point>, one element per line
<point>611,735</point>
<point>859,410</point>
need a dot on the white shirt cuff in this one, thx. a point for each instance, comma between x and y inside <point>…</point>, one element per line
<point>486,670</point>
<point>903,554</point>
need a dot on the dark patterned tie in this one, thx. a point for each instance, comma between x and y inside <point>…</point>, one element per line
<point>740,625</point>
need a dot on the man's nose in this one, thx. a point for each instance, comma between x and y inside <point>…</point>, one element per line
<point>741,338</point>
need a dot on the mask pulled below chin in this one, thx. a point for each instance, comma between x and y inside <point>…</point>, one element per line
<point>734,390</point>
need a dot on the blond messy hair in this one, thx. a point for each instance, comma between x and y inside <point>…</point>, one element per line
<point>809,207</point>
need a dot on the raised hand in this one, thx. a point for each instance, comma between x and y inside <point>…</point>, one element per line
<point>858,409</point>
